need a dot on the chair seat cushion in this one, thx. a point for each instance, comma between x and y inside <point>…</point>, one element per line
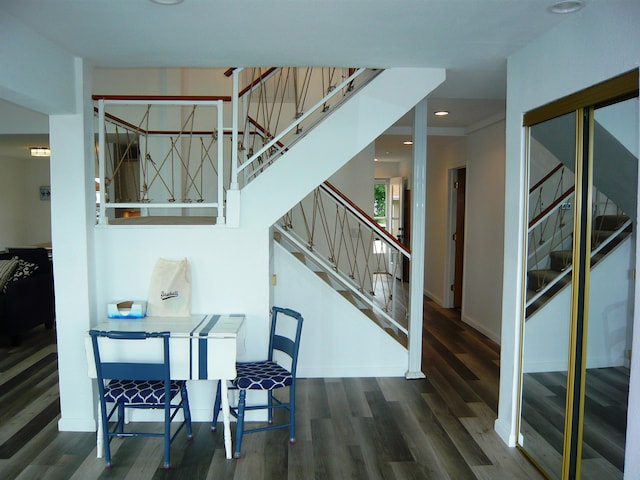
<point>139,391</point>
<point>265,375</point>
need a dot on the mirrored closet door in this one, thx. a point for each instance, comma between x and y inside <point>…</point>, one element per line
<point>582,158</point>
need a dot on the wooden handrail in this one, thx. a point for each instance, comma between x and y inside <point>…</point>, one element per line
<point>190,98</point>
<point>263,130</point>
<point>546,177</point>
<point>257,81</point>
<point>555,203</point>
<point>346,202</point>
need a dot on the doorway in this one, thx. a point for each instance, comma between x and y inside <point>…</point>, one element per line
<point>460,186</point>
<point>454,274</point>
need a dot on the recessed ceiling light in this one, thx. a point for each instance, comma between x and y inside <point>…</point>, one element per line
<point>567,6</point>
<point>40,151</point>
<point>407,142</point>
<point>441,113</point>
<point>167,2</point>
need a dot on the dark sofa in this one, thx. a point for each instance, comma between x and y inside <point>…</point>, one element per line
<point>27,302</point>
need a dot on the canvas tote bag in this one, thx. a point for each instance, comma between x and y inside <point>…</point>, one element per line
<point>170,290</point>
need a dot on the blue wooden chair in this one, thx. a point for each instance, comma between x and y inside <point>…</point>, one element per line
<point>141,386</point>
<point>268,375</point>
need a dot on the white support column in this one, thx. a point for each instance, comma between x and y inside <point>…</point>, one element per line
<point>72,227</point>
<point>418,220</point>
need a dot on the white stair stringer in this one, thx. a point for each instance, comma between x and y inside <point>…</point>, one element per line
<point>334,141</point>
<point>342,286</point>
<point>338,340</point>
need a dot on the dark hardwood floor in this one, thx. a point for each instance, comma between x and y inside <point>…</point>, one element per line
<point>439,428</point>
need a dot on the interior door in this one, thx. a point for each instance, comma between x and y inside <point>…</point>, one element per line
<point>458,236</point>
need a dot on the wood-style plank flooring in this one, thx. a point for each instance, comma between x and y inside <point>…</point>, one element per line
<point>605,421</point>
<point>439,428</point>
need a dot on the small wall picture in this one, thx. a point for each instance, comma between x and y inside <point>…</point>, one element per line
<point>45,192</point>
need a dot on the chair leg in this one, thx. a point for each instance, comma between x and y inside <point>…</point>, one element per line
<point>167,437</point>
<point>216,408</point>
<point>105,434</point>
<point>292,414</point>
<point>240,422</point>
<point>270,407</point>
<point>121,413</point>
<point>186,411</point>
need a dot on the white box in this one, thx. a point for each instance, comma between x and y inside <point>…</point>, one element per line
<point>127,309</point>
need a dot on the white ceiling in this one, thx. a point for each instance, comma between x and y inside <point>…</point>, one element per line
<point>471,39</point>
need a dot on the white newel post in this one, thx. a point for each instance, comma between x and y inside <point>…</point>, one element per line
<point>418,220</point>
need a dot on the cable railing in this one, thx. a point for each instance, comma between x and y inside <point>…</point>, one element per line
<point>162,154</point>
<point>165,155</point>
<point>550,232</point>
<point>351,246</point>
<point>286,102</point>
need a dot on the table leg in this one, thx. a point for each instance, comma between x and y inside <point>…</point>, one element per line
<point>224,393</point>
<point>99,435</point>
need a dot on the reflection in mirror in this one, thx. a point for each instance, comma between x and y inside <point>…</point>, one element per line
<point>551,159</point>
<point>596,288</point>
<point>614,190</point>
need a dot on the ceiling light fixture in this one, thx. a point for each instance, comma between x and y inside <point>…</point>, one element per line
<point>407,142</point>
<point>167,2</point>
<point>567,6</point>
<point>441,113</point>
<point>40,152</point>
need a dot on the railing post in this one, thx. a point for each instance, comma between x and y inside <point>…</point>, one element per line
<point>221,207</point>
<point>101,163</point>
<point>418,221</point>
<point>235,105</point>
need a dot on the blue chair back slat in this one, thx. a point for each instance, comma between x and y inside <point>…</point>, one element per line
<point>124,370</point>
<point>284,344</point>
<point>133,371</point>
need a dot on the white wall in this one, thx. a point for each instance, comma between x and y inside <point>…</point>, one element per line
<point>484,224</point>
<point>600,42</point>
<point>229,274</point>
<point>25,220</point>
<point>12,211</point>
<point>28,55</point>
<point>355,179</point>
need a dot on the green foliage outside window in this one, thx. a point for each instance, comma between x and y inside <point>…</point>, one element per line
<point>380,201</point>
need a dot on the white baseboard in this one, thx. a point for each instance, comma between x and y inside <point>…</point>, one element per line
<point>352,371</point>
<point>76,425</point>
<point>504,432</point>
<point>481,328</point>
<point>434,297</point>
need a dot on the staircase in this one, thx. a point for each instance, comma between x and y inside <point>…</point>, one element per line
<point>269,163</point>
<point>349,251</point>
<point>542,284</point>
<point>338,283</point>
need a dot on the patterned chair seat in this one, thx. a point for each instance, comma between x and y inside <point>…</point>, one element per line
<point>139,391</point>
<point>264,375</point>
<point>269,376</point>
